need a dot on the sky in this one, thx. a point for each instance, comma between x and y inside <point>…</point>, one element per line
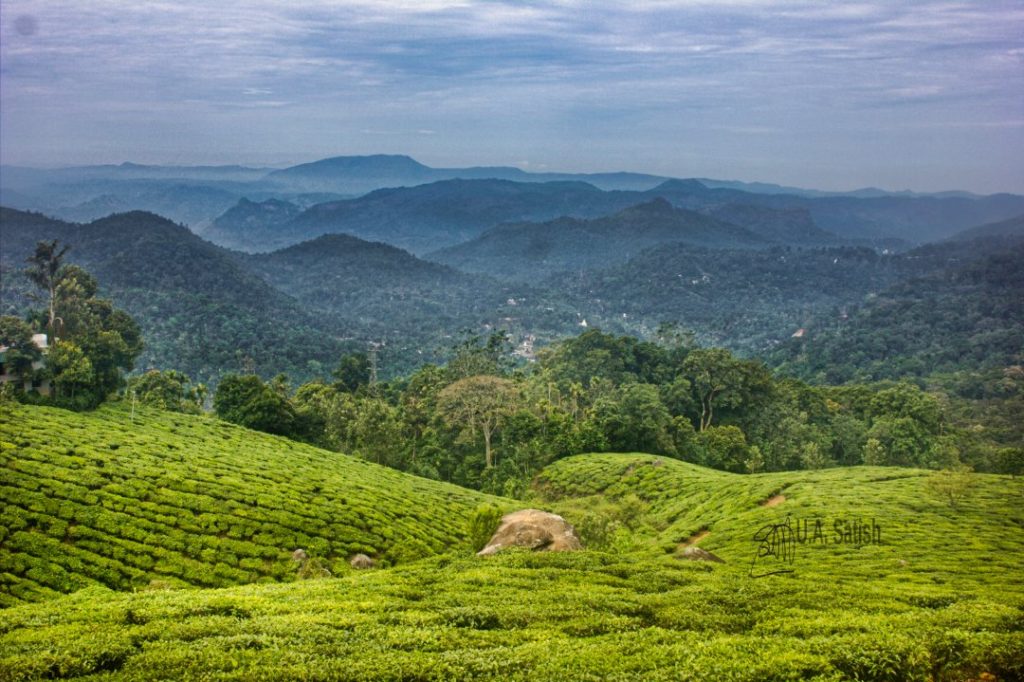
<point>925,95</point>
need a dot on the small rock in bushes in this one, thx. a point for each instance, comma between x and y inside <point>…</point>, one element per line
<point>361,561</point>
<point>697,554</point>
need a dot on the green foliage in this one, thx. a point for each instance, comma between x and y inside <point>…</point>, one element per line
<point>20,352</point>
<point>968,316</point>
<point>478,405</point>
<point>352,372</point>
<point>951,486</point>
<point>482,524</point>
<point>247,401</point>
<point>168,390</point>
<point>937,600</point>
<point>99,498</point>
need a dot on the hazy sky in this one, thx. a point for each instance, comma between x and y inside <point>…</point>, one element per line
<point>924,95</point>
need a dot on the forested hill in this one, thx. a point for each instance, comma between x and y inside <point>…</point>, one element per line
<point>528,251</point>
<point>248,220</point>
<point>967,315</point>
<point>199,310</point>
<point>1014,227</point>
<point>742,299</point>
<point>416,305</point>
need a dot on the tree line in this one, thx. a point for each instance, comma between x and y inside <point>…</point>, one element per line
<point>484,421</point>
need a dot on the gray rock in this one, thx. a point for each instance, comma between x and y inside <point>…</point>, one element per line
<point>361,561</point>
<point>533,529</point>
<point>694,553</point>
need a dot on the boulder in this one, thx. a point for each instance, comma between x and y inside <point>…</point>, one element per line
<point>694,553</point>
<point>361,561</point>
<point>533,529</point>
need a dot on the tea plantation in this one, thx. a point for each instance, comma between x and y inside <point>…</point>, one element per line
<point>126,502</point>
<point>932,590</point>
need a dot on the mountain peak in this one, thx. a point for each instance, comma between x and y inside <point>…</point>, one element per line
<point>375,163</point>
<point>691,186</point>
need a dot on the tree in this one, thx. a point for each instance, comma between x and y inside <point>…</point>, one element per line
<point>21,352</point>
<point>720,380</point>
<point>352,372</point>
<point>725,447</point>
<point>635,420</point>
<point>169,390</point>
<point>99,340</point>
<point>44,269</point>
<point>247,401</point>
<point>479,404</point>
<point>73,373</point>
<point>951,485</point>
<point>477,356</point>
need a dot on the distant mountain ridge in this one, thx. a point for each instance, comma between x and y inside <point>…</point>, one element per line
<point>436,215</point>
<point>528,251</point>
<point>197,195</point>
<point>425,217</point>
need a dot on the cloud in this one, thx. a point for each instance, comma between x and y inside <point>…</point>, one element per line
<point>541,71</point>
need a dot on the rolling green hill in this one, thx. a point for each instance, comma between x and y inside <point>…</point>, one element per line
<point>937,599</point>
<point>107,498</point>
<point>923,536</point>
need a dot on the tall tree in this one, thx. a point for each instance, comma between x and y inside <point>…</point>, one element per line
<point>715,375</point>
<point>44,267</point>
<point>479,404</point>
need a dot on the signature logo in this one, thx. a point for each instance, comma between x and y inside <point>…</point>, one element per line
<point>777,542</point>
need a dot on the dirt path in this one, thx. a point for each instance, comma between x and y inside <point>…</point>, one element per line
<point>696,537</point>
<point>774,501</point>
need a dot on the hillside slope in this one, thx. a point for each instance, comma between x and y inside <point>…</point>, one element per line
<point>1014,227</point>
<point>408,301</point>
<point>124,501</point>
<point>747,300</point>
<point>721,511</point>
<point>937,599</point>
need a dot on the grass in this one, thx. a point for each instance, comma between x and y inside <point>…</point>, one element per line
<point>940,598</point>
<point>169,499</point>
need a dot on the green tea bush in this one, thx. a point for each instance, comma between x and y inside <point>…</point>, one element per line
<point>482,524</point>
<point>190,499</point>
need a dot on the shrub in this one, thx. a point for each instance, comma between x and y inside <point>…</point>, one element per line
<point>482,524</point>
